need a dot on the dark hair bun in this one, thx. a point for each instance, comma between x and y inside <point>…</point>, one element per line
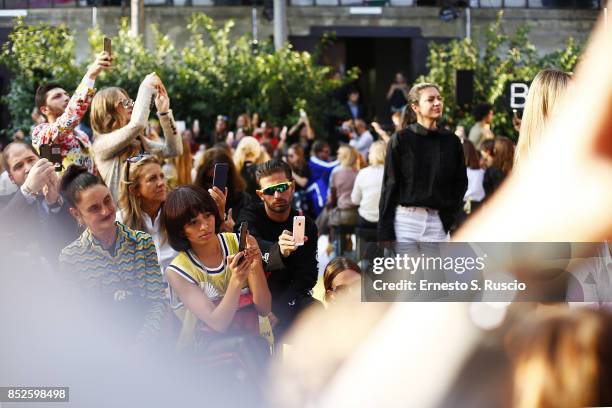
<point>71,173</point>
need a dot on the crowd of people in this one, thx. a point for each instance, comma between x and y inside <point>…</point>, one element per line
<point>133,217</point>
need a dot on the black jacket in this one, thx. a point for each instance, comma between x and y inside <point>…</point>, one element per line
<point>25,223</point>
<point>423,168</point>
<point>290,277</point>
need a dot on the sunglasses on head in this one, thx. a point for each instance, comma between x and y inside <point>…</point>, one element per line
<point>133,160</point>
<point>280,187</point>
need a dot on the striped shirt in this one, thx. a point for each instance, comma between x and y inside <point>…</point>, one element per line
<point>128,274</point>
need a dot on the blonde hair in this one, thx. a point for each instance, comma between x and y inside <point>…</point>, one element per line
<point>104,116</point>
<point>545,91</point>
<point>377,153</point>
<point>562,359</point>
<point>348,156</point>
<point>183,165</point>
<point>249,149</point>
<point>131,211</point>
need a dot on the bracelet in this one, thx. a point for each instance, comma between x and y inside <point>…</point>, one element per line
<point>163,113</point>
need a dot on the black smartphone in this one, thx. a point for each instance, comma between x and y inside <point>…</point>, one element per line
<point>108,45</point>
<point>220,176</point>
<point>53,153</point>
<point>242,235</point>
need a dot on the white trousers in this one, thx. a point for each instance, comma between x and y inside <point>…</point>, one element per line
<point>419,224</point>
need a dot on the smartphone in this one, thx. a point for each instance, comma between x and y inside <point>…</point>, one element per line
<point>108,45</point>
<point>242,232</point>
<point>220,176</point>
<point>299,222</point>
<point>53,153</point>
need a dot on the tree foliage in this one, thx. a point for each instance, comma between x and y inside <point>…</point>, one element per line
<point>499,59</point>
<point>211,74</point>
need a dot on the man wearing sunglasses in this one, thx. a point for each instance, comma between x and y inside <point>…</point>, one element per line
<point>291,269</point>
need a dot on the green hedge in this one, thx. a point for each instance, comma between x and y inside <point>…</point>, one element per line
<point>210,75</point>
<point>498,59</point>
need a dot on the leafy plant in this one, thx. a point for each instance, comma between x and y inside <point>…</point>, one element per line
<point>212,73</point>
<point>35,55</point>
<point>500,59</point>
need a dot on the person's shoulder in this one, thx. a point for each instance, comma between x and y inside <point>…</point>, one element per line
<point>181,260</point>
<point>252,211</point>
<point>450,138</point>
<point>475,129</point>
<point>74,250</point>
<point>141,238</point>
<point>230,240</point>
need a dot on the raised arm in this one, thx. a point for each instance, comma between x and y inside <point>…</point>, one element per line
<point>108,145</point>
<point>62,126</point>
<point>173,143</point>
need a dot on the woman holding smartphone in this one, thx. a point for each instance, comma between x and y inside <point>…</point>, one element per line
<point>424,177</point>
<point>119,126</point>
<point>215,288</point>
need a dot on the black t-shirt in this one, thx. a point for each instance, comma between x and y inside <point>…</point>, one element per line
<point>290,277</point>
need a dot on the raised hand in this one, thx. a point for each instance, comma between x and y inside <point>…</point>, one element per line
<point>162,100</point>
<point>103,61</point>
<point>39,176</point>
<point>220,199</point>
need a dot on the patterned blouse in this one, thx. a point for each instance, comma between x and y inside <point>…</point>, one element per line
<point>74,144</point>
<point>126,276</point>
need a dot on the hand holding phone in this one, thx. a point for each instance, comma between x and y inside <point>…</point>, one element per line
<point>220,175</point>
<point>53,153</point>
<point>108,46</point>
<point>243,232</point>
<point>299,222</point>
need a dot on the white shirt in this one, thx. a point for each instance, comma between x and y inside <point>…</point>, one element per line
<point>6,184</point>
<point>362,143</point>
<point>165,253</point>
<point>593,279</point>
<point>474,188</point>
<point>366,191</point>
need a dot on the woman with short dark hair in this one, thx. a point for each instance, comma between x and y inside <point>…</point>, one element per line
<point>214,287</point>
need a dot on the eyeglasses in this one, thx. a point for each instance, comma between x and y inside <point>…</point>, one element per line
<point>280,187</point>
<point>134,160</point>
<point>127,103</point>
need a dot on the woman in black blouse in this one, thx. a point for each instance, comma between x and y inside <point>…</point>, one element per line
<point>425,178</point>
